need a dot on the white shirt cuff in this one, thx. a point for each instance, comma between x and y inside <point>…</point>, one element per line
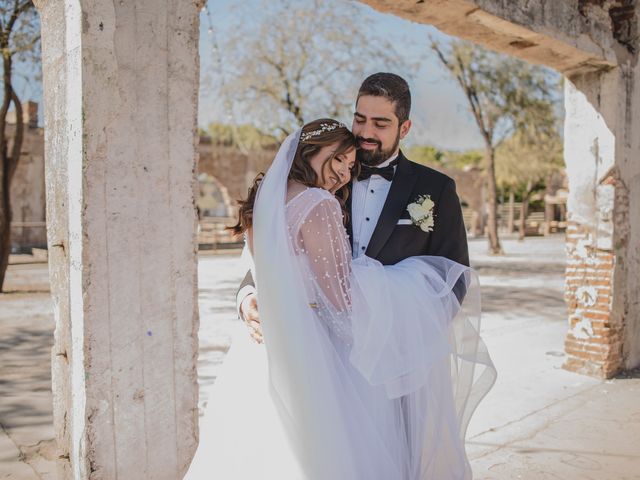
<point>242,294</point>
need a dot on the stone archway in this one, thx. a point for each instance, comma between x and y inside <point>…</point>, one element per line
<point>213,199</point>
<point>595,45</point>
<point>121,81</point>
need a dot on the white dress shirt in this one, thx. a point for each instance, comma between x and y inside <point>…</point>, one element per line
<point>368,198</point>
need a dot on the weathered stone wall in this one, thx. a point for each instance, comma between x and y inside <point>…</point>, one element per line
<point>470,189</point>
<point>594,341</point>
<point>626,213</point>
<point>234,168</point>
<point>596,328</point>
<point>28,192</point>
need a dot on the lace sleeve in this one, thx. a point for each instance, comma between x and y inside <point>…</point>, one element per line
<point>324,242</point>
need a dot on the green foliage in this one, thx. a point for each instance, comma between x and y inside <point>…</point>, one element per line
<point>242,136</point>
<point>462,160</point>
<point>425,154</point>
<point>527,158</point>
<point>433,156</point>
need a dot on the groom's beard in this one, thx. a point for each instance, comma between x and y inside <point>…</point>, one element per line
<point>375,157</point>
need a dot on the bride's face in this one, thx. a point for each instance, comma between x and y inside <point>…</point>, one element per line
<point>335,173</point>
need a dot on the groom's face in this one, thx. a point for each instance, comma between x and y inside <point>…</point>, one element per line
<point>377,129</point>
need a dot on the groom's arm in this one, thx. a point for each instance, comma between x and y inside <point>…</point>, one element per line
<point>449,237</point>
<point>247,307</point>
<point>246,288</point>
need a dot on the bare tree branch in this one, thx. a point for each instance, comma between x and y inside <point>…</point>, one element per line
<point>12,160</point>
<point>504,96</point>
<point>301,61</point>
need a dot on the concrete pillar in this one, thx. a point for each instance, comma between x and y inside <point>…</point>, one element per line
<point>602,148</point>
<point>120,86</point>
<point>627,211</point>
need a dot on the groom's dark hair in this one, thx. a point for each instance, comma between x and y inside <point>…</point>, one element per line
<point>392,87</point>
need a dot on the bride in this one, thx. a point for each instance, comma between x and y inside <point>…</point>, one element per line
<point>367,371</point>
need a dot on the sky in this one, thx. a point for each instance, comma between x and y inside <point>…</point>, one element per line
<point>439,113</point>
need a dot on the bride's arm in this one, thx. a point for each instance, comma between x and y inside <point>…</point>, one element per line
<point>325,244</point>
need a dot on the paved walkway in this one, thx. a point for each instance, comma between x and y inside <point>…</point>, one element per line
<point>539,422</point>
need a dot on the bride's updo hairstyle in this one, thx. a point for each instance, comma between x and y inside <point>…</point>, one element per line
<point>314,136</point>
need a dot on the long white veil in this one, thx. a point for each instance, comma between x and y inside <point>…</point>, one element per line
<point>395,400</point>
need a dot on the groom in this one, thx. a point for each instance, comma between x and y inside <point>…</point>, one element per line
<point>399,209</point>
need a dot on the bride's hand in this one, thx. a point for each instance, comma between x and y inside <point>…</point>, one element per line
<point>251,317</point>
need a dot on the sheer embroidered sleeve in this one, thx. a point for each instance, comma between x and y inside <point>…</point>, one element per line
<point>322,239</point>
<point>324,242</point>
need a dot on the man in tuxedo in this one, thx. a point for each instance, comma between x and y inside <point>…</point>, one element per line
<point>380,225</point>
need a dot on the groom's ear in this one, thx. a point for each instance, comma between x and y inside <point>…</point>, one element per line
<point>404,128</point>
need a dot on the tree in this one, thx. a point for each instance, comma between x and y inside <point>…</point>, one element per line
<point>524,161</point>
<point>296,61</point>
<point>433,156</point>
<point>463,160</point>
<point>504,95</point>
<point>245,137</point>
<point>426,154</point>
<point>19,41</point>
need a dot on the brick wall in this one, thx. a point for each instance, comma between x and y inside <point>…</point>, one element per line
<point>594,341</point>
<point>28,190</point>
<point>233,168</point>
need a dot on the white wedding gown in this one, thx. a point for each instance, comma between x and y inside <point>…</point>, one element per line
<point>367,372</point>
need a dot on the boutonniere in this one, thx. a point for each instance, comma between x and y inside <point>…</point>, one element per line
<point>421,212</point>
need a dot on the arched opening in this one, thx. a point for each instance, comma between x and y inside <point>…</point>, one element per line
<point>531,281</point>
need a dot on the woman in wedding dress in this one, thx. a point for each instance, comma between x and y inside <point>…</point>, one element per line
<point>367,371</point>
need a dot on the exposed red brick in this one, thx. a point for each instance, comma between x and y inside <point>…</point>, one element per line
<point>599,354</point>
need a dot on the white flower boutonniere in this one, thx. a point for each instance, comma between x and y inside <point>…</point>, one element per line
<point>421,212</point>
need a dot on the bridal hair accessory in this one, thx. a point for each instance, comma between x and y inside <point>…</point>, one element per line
<point>421,212</point>
<point>324,127</point>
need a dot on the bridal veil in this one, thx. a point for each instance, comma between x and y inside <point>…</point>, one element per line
<point>374,370</point>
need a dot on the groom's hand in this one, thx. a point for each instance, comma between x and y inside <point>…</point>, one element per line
<point>251,317</point>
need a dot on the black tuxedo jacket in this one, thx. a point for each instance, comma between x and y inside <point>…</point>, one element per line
<point>391,243</point>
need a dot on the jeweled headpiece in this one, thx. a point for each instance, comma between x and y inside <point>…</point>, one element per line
<point>324,127</point>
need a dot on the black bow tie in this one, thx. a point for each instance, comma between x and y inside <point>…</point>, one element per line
<point>385,172</point>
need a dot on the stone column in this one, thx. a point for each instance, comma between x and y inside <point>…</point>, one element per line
<point>602,148</point>
<point>627,210</point>
<point>120,85</point>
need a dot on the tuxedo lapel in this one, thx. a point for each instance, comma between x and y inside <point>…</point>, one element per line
<point>394,206</point>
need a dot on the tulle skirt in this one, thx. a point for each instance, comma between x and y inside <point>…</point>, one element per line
<point>390,403</point>
<point>241,434</point>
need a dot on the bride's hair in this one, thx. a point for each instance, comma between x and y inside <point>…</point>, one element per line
<point>314,136</point>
